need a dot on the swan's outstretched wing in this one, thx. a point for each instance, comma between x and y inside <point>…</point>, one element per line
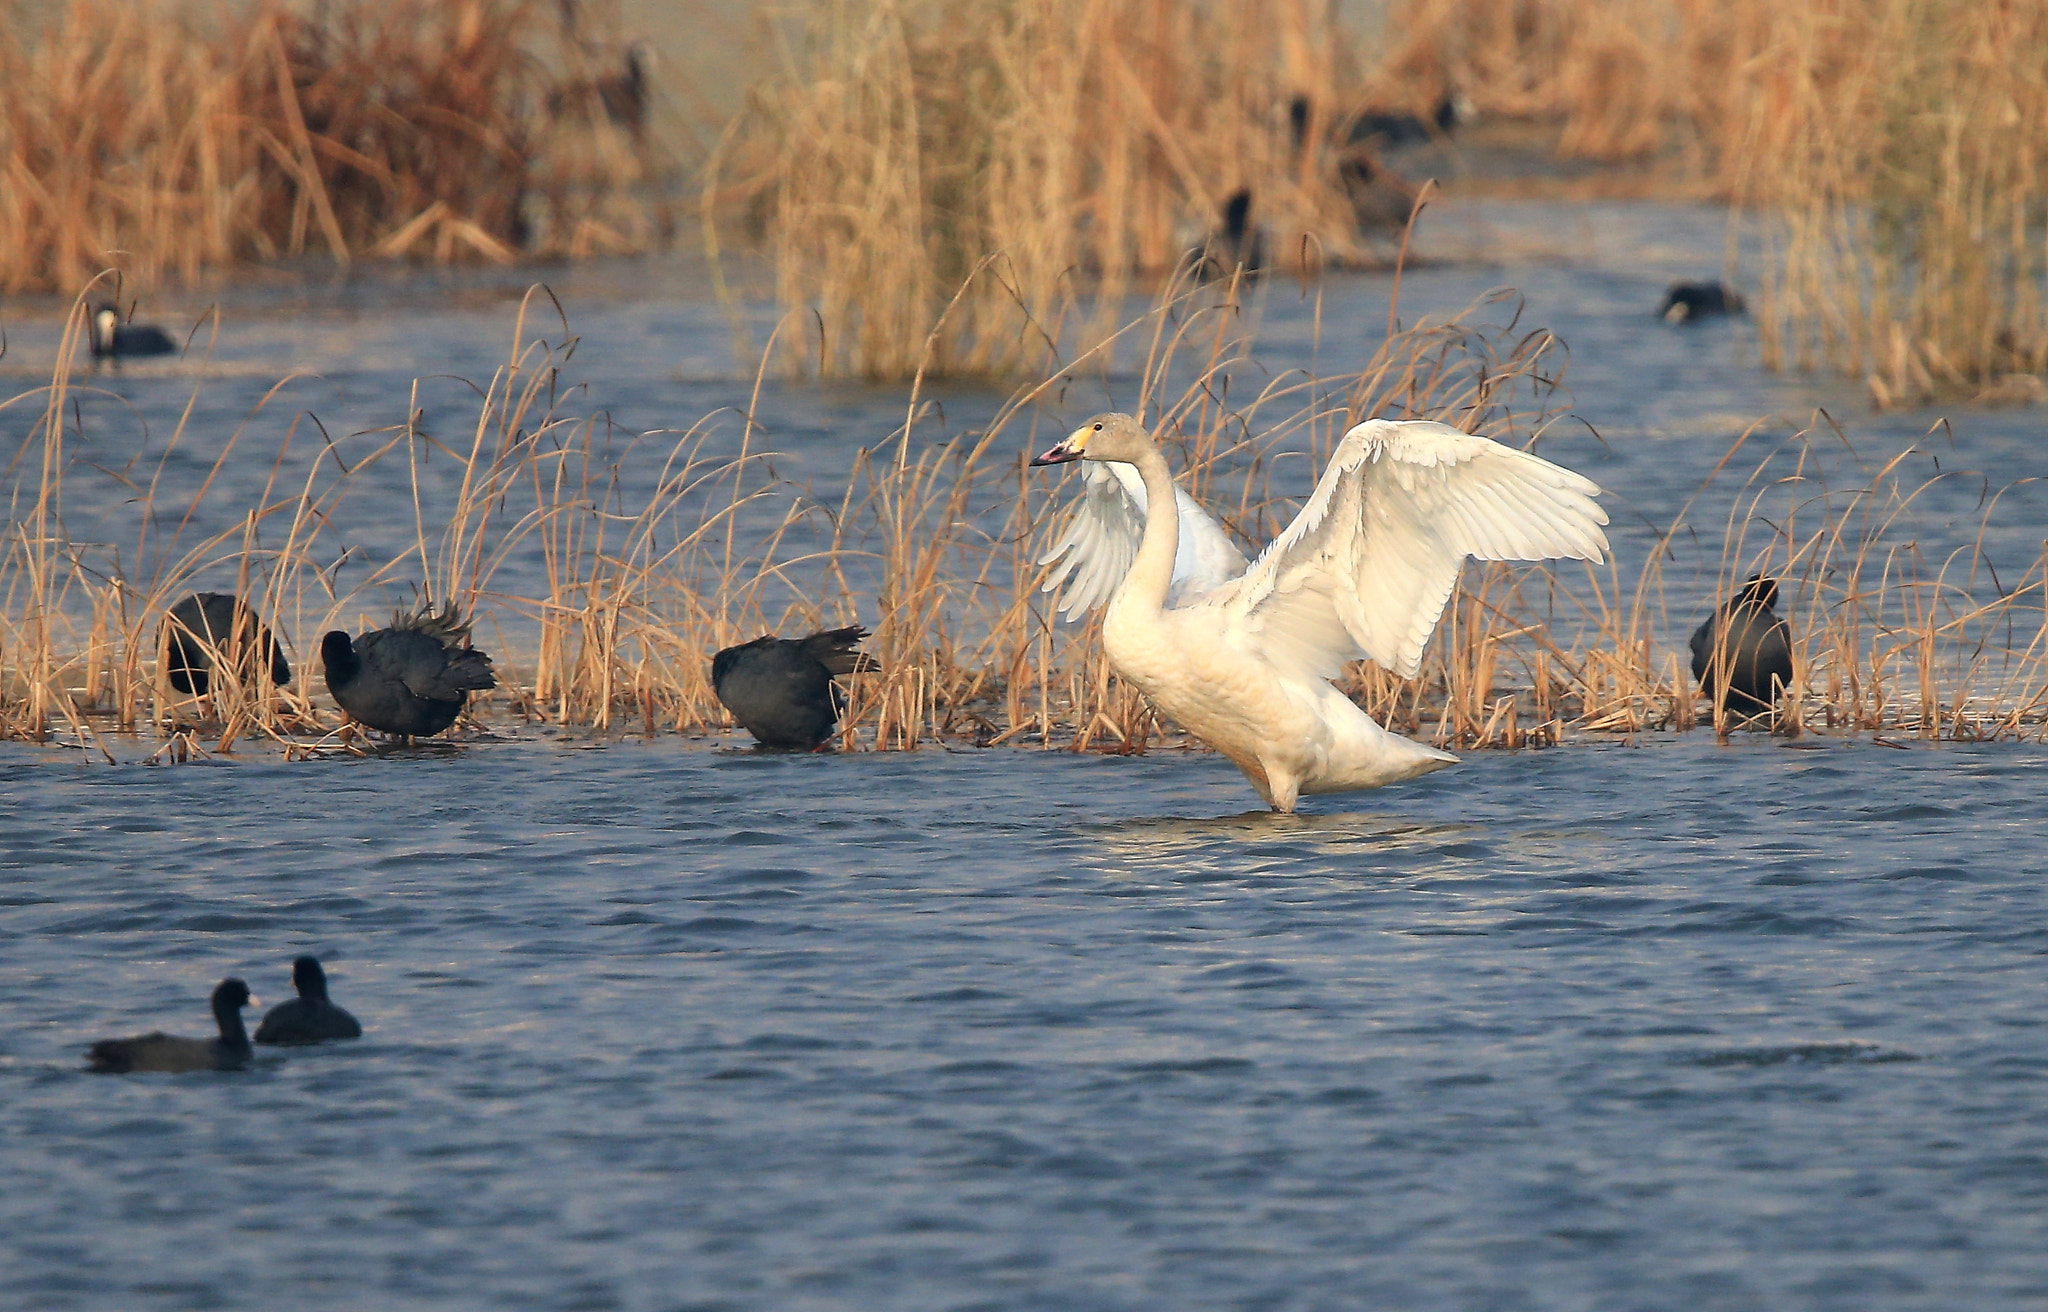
<point>1102,539</point>
<point>1366,567</point>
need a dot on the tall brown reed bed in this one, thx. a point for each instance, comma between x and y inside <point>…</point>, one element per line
<point>170,139</point>
<point>603,569</point>
<point>908,148</point>
<point>1892,147</point>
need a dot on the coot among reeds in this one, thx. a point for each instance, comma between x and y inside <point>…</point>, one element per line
<point>207,625</point>
<point>158,1051</point>
<point>1686,302</point>
<point>1236,243</point>
<point>1382,201</point>
<point>310,1017</point>
<point>1394,130</point>
<point>1745,638</point>
<point>113,340</point>
<point>620,97</point>
<point>412,678</point>
<point>781,689</point>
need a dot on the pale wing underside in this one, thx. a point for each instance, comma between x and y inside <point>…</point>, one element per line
<point>1367,566</point>
<point>1102,539</point>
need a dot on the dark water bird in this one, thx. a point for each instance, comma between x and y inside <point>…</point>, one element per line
<point>157,1051</point>
<point>113,340</point>
<point>1747,639</point>
<point>412,678</point>
<point>619,97</point>
<point>310,1017</point>
<point>1236,243</point>
<point>209,629</point>
<point>1381,199</point>
<point>1393,130</point>
<point>1686,302</point>
<point>781,689</point>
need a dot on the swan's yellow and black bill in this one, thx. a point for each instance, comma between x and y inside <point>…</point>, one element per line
<point>1060,455</point>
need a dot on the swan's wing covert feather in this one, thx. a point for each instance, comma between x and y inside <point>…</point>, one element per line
<point>1367,566</point>
<point>1102,537</point>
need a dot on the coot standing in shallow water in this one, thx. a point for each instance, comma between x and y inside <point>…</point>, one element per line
<point>411,679</point>
<point>157,1051</point>
<point>207,624</point>
<point>1747,639</point>
<point>310,1017</point>
<point>113,340</point>
<point>781,689</point>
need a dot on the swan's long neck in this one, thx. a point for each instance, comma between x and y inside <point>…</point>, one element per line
<point>1152,571</point>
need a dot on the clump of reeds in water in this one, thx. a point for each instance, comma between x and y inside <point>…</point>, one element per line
<point>933,543</point>
<point>1913,186</point>
<point>1892,148</point>
<point>942,182</point>
<point>169,139</point>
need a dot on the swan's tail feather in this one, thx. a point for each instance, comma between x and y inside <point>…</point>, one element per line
<point>1364,755</point>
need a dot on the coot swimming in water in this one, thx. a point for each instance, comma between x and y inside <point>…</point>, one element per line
<point>781,689</point>
<point>1685,302</point>
<point>113,340</point>
<point>209,624</point>
<point>310,1017</point>
<point>412,678</point>
<point>158,1051</point>
<point>1747,639</point>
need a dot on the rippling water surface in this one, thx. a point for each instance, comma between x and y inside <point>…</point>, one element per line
<point>653,1026</point>
<point>672,1025</point>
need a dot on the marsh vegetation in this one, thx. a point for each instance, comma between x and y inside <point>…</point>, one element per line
<point>609,589</point>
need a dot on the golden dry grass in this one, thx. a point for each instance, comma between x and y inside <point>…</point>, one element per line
<point>933,543</point>
<point>168,139</point>
<point>1892,148</point>
<point>950,185</point>
<point>956,185</point>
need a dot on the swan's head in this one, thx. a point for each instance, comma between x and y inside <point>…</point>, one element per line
<point>1105,437</point>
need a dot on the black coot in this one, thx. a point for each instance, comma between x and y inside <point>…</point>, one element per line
<point>207,625</point>
<point>310,1017</point>
<point>1747,639</point>
<point>1685,302</point>
<point>113,340</point>
<point>1236,242</point>
<point>412,678</point>
<point>1382,201</point>
<point>1393,130</point>
<point>167,1052</point>
<point>781,688</point>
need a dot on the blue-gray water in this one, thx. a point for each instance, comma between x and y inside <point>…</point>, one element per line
<point>653,1027</point>
<point>671,1025</point>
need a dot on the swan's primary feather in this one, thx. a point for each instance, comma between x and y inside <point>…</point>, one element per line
<point>1102,539</point>
<point>1367,566</point>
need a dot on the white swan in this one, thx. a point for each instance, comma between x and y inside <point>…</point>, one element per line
<point>1242,655</point>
